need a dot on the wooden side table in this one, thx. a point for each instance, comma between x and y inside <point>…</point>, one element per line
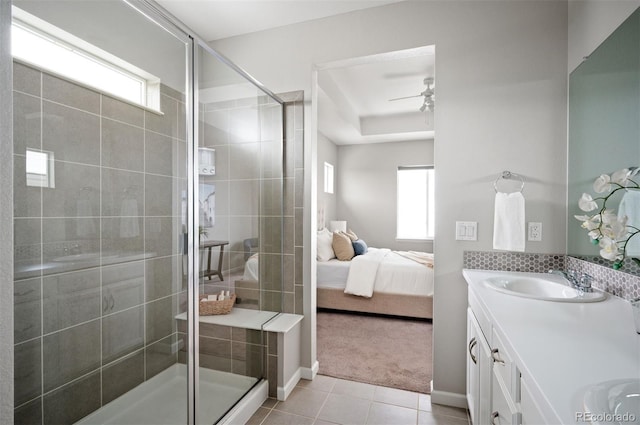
<point>209,245</point>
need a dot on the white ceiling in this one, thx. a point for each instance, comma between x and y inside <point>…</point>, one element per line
<point>353,95</point>
<point>354,98</point>
<point>216,19</point>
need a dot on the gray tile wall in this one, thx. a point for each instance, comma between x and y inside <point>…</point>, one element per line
<point>89,330</point>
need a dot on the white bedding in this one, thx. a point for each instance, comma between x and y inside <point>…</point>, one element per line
<point>395,274</point>
<point>251,268</point>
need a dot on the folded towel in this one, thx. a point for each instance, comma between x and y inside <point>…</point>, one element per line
<point>129,226</point>
<point>508,222</point>
<point>630,207</point>
<point>85,226</point>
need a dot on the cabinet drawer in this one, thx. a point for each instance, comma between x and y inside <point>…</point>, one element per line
<point>503,364</point>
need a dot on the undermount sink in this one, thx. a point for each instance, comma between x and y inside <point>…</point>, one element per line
<point>614,402</point>
<point>542,289</point>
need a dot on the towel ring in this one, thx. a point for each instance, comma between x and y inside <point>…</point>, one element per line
<point>507,175</point>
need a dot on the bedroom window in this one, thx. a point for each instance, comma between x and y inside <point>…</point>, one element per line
<point>328,178</point>
<point>416,212</point>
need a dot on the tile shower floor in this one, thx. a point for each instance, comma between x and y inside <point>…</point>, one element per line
<point>327,401</point>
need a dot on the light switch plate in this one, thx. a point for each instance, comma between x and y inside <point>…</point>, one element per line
<point>466,230</point>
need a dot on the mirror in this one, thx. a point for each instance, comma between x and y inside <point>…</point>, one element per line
<point>604,129</point>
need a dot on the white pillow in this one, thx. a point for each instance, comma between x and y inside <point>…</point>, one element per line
<point>325,248</point>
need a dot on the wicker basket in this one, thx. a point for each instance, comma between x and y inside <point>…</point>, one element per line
<point>211,308</point>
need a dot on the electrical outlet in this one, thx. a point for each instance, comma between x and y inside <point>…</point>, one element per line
<point>535,231</point>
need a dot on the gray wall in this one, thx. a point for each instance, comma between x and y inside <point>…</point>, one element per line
<point>502,71</point>
<point>6,218</point>
<point>367,196</point>
<point>328,152</point>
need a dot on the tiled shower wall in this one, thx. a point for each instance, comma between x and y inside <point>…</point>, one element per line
<point>88,331</point>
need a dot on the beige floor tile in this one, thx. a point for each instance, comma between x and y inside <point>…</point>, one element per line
<point>424,402</point>
<point>344,409</point>
<point>396,397</point>
<point>277,417</point>
<point>321,422</point>
<point>320,383</point>
<point>428,418</point>
<point>387,414</point>
<point>258,416</point>
<point>302,401</point>
<point>356,389</point>
<point>270,402</point>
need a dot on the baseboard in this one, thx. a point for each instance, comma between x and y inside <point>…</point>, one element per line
<point>310,373</point>
<point>283,392</point>
<point>248,405</point>
<point>449,399</point>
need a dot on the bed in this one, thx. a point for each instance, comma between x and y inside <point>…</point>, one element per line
<point>401,286</point>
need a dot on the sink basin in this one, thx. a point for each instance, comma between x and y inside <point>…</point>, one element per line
<point>542,289</point>
<point>614,402</point>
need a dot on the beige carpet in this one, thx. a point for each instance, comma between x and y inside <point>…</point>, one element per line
<point>376,350</point>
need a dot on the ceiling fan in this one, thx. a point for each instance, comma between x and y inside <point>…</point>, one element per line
<point>428,94</point>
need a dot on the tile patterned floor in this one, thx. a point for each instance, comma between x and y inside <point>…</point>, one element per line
<point>329,401</point>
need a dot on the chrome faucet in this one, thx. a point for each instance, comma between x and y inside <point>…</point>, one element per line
<point>582,282</point>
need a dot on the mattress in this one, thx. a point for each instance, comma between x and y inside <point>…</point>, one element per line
<point>396,275</point>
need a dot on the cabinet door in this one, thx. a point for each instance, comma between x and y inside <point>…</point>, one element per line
<point>473,366</point>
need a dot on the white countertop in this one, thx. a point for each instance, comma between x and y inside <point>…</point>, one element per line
<point>562,348</point>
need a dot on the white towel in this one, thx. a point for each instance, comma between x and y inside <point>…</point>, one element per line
<point>630,206</point>
<point>85,226</point>
<point>508,222</point>
<point>129,227</point>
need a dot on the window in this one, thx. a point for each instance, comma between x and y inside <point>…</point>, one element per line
<point>72,58</point>
<point>328,178</point>
<point>40,169</point>
<point>415,202</point>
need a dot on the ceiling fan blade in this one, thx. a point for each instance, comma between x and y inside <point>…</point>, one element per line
<point>406,97</point>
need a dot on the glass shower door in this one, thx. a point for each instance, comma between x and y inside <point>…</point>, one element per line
<point>100,212</point>
<point>240,188</point>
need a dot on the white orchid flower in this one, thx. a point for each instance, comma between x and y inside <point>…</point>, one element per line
<point>589,223</point>
<point>586,203</point>
<point>602,184</point>
<point>609,249</point>
<point>595,234</point>
<point>621,176</point>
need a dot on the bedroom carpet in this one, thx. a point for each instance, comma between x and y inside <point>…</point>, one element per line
<point>376,350</point>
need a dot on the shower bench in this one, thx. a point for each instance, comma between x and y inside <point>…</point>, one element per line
<point>284,327</point>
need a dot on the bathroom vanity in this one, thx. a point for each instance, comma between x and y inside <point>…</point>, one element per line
<point>534,361</point>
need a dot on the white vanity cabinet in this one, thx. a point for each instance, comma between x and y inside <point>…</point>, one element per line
<point>493,384</point>
<point>478,370</point>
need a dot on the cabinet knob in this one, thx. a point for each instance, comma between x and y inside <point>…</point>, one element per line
<point>496,357</point>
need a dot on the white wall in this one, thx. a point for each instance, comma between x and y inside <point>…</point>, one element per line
<point>327,152</point>
<point>367,196</point>
<point>501,75</point>
<point>591,22</point>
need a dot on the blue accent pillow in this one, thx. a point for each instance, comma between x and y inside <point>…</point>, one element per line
<point>359,247</point>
